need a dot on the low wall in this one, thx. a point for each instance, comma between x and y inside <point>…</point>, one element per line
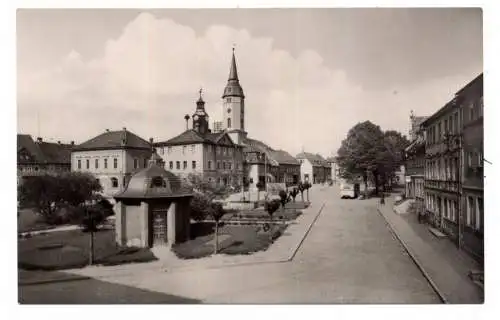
<point>239,205</point>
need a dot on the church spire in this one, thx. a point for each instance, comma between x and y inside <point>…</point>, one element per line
<point>233,72</point>
<point>233,87</point>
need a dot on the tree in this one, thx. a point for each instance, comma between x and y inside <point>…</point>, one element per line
<point>301,188</point>
<point>271,207</point>
<point>307,185</point>
<point>199,205</point>
<point>293,193</point>
<point>283,199</point>
<point>259,186</point>
<point>359,153</point>
<point>217,212</point>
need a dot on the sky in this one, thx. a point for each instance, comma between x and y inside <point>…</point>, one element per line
<point>308,75</point>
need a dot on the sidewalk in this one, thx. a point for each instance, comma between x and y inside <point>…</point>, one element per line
<point>283,250</point>
<point>440,261</point>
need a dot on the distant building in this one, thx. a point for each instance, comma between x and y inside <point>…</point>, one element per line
<point>415,162</point>
<point>453,167</point>
<point>313,167</point>
<point>112,157</point>
<point>218,127</point>
<point>40,157</point>
<point>333,168</point>
<point>212,156</point>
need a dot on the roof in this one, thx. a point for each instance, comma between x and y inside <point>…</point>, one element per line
<point>141,185</point>
<point>233,87</point>
<point>331,159</point>
<point>252,146</point>
<point>122,139</point>
<point>315,159</point>
<point>453,102</point>
<point>43,152</point>
<point>283,157</point>
<point>192,137</point>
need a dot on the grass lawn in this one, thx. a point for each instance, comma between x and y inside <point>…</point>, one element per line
<point>29,220</point>
<point>232,240</point>
<point>70,249</point>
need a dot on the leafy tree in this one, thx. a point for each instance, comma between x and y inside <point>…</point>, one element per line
<point>259,186</point>
<point>199,206</point>
<point>367,149</point>
<point>293,193</point>
<point>283,199</point>
<point>271,207</point>
<point>301,189</point>
<point>217,212</point>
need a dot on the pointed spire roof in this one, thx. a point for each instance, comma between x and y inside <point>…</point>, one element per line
<point>233,87</point>
<point>233,72</point>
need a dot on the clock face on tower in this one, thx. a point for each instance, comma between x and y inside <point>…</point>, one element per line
<point>228,110</point>
<point>195,118</point>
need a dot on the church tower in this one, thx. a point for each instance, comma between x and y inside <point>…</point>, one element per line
<point>234,106</point>
<point>200,117</point>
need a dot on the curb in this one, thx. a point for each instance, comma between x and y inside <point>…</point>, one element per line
<point>306,233</point>
<point>415,260</point>
<point>50,281</point>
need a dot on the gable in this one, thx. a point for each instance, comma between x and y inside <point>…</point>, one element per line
<point>225,140</point>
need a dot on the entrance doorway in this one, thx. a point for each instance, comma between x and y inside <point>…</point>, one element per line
<point>159,234</point>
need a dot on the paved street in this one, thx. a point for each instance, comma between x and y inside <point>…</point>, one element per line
<point>349,256</point>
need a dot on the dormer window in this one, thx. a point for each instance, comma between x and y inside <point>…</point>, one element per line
<point>158,182</point>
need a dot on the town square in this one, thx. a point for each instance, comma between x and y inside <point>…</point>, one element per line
<point>250,156</point>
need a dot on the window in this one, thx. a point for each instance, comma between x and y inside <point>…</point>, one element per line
<point>229,122</point>
<point>439,135</point>
<point>218,150</point>
<point>171,164</point>
<point>193,148</point>
<point>115,163</point>
<point>184,149</point>
<point>136,163</point>
<point>114,182</point>
<point>229,165</point>
<point>209,165</point>
<point>472,114</point>
<point>105,163</point>
<point>169,150</point>
<point>471,212</point>
<point>229,99</point>
<point>218,165</point>
<point>97,163</point>
<point>480,214</point>
<point>158,182</point>
<point>79,164</point>
<point>185,165</point>
<point>145,163</point>
<point>224,150</point>
<point>469,159</point>
<point>178,165</point>
<point>193,164</point>
<point>455,123</point>
<point>445,125</point>
<point>88,164</point>
<point>162,150</point>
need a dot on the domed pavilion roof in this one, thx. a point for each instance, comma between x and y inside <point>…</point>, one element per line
<point>154,182</point>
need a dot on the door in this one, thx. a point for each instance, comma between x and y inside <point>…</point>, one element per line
<point>159,227</point>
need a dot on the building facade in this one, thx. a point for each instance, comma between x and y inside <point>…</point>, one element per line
<point>333,169</point>
<point>40,157</point>
<point>415,164</point>
<point>453,168</point>
<point>199,151</point>
<point>313,168</point>
<point>112,157</point>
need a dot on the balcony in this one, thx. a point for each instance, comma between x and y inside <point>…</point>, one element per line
<point>444,185</point>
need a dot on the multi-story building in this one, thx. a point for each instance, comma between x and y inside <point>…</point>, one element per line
<point>40,157</point>
<point>112,157</point>
<point>470,100</point>
<point>415,162</point>
<point>212,156</point>
<point>313,168</point>
<point>453,167</point>
<point>333,169</point>
<point>288,168</point>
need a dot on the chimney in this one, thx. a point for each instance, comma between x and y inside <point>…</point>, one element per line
<point>72,143</point>
<point>39,139</point>
<point>124,128</point>
<point>107,130</point>
<point>151,140</point>
<point>58,141</point>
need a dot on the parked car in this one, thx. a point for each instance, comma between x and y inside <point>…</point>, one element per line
<point>349,190</point>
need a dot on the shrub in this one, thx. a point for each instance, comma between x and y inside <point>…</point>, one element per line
<point>199,205</point>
